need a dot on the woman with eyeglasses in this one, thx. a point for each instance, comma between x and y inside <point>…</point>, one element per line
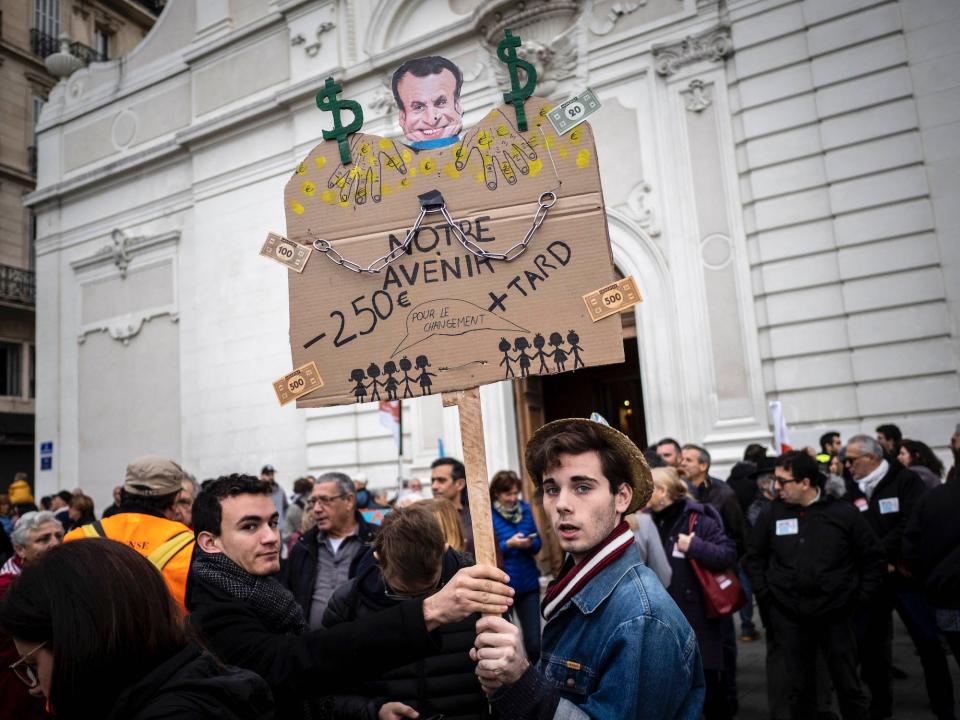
<point>99,636</point>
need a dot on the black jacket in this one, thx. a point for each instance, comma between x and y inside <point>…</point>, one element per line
<point>814,560</point>
<point>444,683</point>
<point>889,507</point>
<point>314,664</point>
<point>717,493</point>
<point>931,544</point>
<point>300,571</point>
<point>743,482</point>
<point>193,685</point>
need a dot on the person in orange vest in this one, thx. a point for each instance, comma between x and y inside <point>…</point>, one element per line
<point>148,521</point>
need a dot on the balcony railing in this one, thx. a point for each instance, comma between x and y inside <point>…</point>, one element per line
<point>86,54</point>
<point>18,285</point>
<point>42,44</point>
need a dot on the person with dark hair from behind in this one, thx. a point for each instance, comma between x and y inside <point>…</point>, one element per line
<point>59,504</point>
<point>413,561</point>
<point>448,480</point>
<point>922,460</point>
<point>249,619</point>
<point>427,92</point>
<point>931,551</point>
<point>754,453</point>
<point>518,541</point>
<point>886,494</point>
<point>148,521</point>
<point>889,437</point>
<point>100,636</point>
<point>80,511</point>
<point>813,559</point>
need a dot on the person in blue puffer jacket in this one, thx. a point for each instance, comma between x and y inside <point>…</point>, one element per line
<point>518,541</point>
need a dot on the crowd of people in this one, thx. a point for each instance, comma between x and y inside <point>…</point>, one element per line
<point>231,599</point>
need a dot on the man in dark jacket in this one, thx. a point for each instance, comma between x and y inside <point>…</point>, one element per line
<point>812,560</point>
<point>250,620</point>
<point>329,554</point>
<point>412,561</point>
<point>886,494</point>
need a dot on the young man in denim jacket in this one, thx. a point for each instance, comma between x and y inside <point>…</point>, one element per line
<point>615,645</point>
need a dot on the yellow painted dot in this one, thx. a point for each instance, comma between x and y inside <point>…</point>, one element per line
<point>407,157</point>
<point>563,152</point>
<point>480,177</point>
<point>484,139</point>
<point>428,165</point>
<point>341,181</point>
<point>296,207</point>
<point>319,161</point>
<point>344,203</point>
<point>301,168</point>
<point>575,136</point>
<point>502,130</point>
<point>411,172</point>
<point>354,172</point>
<point>405,182</point>
<point>385,144</point>
<point>549,142</point>
<point>327,196</point>
<point>365,148</point>
<point>583,158</point>
<point>451,170</point>
<point>544,110</point>
<point>385,189</point>
<point>535,167</point>
<point>308,188</point>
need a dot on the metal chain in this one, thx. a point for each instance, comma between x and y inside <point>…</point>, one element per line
<point>547,200</point>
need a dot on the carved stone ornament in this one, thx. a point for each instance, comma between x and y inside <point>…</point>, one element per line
<point>119,251</point>
<point>313,48</point>
<point>697,98</point>
<point>605,25</point>
<point>538,20</point>
<point>126,327</point>
<point>637,210</point>
<point>554,61</point>
<point>713,45</point>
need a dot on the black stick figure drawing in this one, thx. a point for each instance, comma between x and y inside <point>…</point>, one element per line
<point>360,390</point>
<point>575,348</point>
<point>520,345</point>
<point>373,372</point>
<point>390,367</point>
<point>507,360</point>
<point>559,355</point>
<point>405,365</point>
<point>538,343</point>
<point>424,379</point>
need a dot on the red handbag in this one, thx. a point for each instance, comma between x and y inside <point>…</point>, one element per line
<point>722,592</point>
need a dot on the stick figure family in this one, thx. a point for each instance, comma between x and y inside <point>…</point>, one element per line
<point>421,376</point>
<point>559,355</point>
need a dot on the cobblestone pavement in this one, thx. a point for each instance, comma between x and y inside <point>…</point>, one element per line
<point>909,695</point>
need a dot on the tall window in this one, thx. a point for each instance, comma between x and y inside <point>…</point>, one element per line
<point>101,43</point>
<point>46,17</point>
<point>10,372</point>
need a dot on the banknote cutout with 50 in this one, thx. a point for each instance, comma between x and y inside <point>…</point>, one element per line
<point>489,288</point>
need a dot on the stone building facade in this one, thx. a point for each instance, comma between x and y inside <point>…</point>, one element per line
<point>780,178</point>
<point>98,30</point>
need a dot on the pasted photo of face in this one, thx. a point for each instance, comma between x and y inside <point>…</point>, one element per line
<point>427,91</point>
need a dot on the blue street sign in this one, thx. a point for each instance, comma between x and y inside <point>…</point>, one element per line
<point>46,463</point>
<point>46,448</point>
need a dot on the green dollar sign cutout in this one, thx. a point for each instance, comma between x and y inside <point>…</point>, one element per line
<point>507,53</point>
<point>327,101</point>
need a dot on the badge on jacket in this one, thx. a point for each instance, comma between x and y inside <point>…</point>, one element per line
<point>787,527</point>
<point>862,504</point>
<point>889,505</point>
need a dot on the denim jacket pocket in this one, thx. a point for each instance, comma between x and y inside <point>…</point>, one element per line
<point>570,677</point>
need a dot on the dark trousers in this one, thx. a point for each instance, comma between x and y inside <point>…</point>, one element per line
<point>833,635</point>
<point>716,705</point>
<point>746,612</point>
<point>874,636</point>
<point>729,640</point>
<point>526,609</point>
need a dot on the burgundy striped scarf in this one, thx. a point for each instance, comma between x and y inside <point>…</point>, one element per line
<point>573,577</point>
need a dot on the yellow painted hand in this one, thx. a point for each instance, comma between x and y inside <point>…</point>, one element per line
<point>502,150</point>
<point>362,179</point>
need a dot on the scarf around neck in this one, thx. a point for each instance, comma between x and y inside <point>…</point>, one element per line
<point>869,483</point>
<point>274,603</point>
<point>510,514</point>
<point>574,576</point>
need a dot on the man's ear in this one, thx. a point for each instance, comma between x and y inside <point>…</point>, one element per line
<point>209,542</point>
<point>461,483</point>
<point>623,497</point>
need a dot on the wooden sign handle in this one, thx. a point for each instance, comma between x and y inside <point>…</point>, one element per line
<point>475,460</point>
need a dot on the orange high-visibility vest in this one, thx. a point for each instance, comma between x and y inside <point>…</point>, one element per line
<point>165,543</point>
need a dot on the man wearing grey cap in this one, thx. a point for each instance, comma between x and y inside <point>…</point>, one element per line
<point>147,520</point>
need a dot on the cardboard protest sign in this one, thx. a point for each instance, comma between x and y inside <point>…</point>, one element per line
<point>440,317</point>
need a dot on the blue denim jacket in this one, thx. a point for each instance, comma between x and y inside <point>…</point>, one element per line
<point>621,648</point>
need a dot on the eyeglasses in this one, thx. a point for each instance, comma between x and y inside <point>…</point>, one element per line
<point>785,481</point>
<point>324,500</point>
<point>851,459</point>
<point>25,672</point>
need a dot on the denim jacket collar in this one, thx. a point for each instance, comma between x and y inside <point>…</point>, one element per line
<point>600,587</point>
